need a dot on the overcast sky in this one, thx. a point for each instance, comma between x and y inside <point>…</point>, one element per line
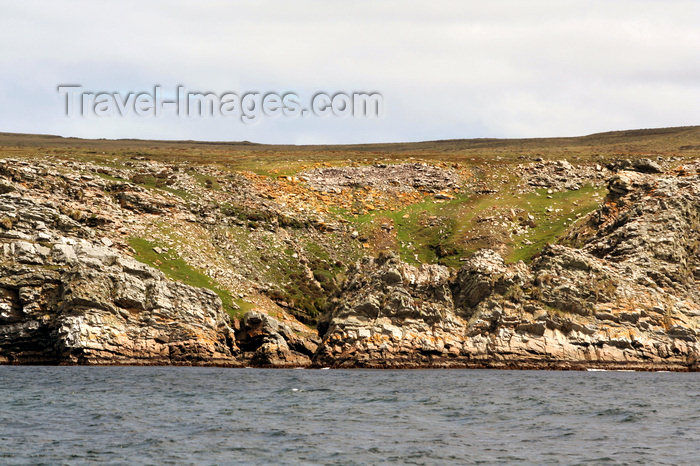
<point>446,69</point>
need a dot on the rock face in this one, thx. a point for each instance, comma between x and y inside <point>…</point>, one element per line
<point>560,175</point>
<point>389,177</point>
<point>621,291</point>
<point>66,298</point>
<point>267,342</point>
<point>391,313</point>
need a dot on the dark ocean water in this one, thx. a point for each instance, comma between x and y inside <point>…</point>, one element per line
<point>157,415</point>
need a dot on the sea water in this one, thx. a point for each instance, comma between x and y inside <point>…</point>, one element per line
<point>176,415</point>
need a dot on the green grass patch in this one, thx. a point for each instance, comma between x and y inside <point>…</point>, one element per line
<point>207,181</point>
<point>110,177</point>
<point>551,225</point>
<point>175,268</point>
<point>422,240</point>
<point>434,232</point>
<point>244,306</point>
<point>151,182</point>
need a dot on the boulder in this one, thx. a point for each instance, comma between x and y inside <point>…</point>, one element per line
<point>647,166</point>
<point>267,342</point>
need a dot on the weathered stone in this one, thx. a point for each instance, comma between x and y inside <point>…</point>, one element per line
<point>559,175</point>
<point>86,303</point>
<point>394,177</point>
<point>141,202</point>
<point>647,166</point>
<point>477,278</point>
<point>593,306</point>
<point>270,342</point>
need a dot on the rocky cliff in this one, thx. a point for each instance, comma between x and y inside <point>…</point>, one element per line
<point>65,298</point>
<point>143,256</point>
<point>621,291</point>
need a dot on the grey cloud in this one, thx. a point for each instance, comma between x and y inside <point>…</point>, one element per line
<point>447,69</point>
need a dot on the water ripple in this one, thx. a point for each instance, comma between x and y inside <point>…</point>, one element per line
<point>161,415</point>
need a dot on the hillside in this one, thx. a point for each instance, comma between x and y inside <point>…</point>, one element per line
<point>280,234</point>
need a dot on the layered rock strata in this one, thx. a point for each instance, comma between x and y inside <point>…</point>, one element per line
<point>621,291</point>
<point>66,298</point>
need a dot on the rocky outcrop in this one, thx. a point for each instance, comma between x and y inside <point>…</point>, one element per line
<point>388,177</point>
<point>644,165</point>
<point>650,230</point>
<point>621,291</point>
<point>390,313</point>
<point>66,298</point>
<point>560,175</point>
<point>267,342</point>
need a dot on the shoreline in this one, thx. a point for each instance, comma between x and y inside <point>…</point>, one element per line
<point>558,366</point>
<point>242,278</point>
